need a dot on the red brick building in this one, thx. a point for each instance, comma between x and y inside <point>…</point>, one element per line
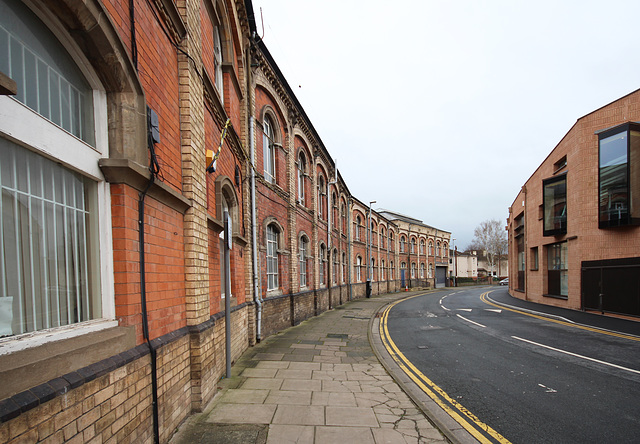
<point>140,142</point>
<point>573,228</point>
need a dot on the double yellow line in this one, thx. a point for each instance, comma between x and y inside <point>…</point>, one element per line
<point>489,301</point>
<point>479,430</point>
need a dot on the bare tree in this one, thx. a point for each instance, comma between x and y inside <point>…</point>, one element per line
<point>491,237</point>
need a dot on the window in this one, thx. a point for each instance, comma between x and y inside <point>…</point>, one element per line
<point>336,265</point>
<point>534,258</point>
<point>382,237</point>
<point>392,270</point>
<point>619,176</point>
<point>557,274</point>
<point>302,256</point>
<point>555,205</point>
<point>321,264</point>
<point>382,270</point>
<point>413,270</point>
<point>372,235</point>
<point>334,210</point>
<point>343,216</point>
<point>48,80</point>
<point>269,151</point>
<point>402,242</point>
<point>430,249</point>
<point>321,193</point>
<point>437,249</point>
<point>217,60</point>
<point>372,269</point>
<point>358,269</point>
<point>403,266</point>
<point>445,250</point>
<point>518,234</point>
<point>413,246</point>
<point>357,228</point>
<point>422,270</point>
<point>55,223</point>
<point>392,245</point>
<point>421,246</point>
<point>344,268</point>
<point>272,257</point>
<point>302,167</point>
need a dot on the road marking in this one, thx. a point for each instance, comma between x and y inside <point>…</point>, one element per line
<point>547,389</point>
<point>495,310</point>
<point>457,411</point>
<point>442,300</point>
<point>577,355</point>
<point>464,309</point>
<point>564,321</point>
<point>469,320</point>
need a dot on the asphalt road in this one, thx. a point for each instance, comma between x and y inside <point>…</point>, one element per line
<point>530,377</point>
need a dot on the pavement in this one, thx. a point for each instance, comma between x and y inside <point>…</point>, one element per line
<point>319,382</point>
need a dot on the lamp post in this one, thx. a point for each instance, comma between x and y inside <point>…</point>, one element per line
<point>369,268</point>
<point>453,242</point>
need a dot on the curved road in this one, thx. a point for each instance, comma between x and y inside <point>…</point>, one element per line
<point>518,376</point>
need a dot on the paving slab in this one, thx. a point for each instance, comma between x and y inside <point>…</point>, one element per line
<point>318,382</point>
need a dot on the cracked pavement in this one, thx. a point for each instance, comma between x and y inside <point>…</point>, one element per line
<point>318,382</point>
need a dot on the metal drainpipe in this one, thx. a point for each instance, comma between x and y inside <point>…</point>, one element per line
<point>254,243</point>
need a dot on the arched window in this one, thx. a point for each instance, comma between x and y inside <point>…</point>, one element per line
<point>321,193</point>
<point>302,168</point>
<point>268,150</point>
<point>382,269</point>
<point>430,271</point>
<point>392,272</point>
<point>392,244</point>
<point>302,257</point>
<point>336,264</point>
<point>358,269</point>
<point>272,257</point>
<point>321,264</point>
<point>445,249</point>
<point>343,215</point>
<point>422,246</point>
<point>372,269</point>
<point>217,60</point>
<point>422,270</point>
<point>413,245</point>
<point>402,242</point>
<point>357,228</point>
<point>430,248</point>
<point>334,210</point>
<point>343,276</point>
<point>438,249</point>
<point>55,216</point>
<point>403,266</point>
<point>413,270</point>
<point>382,237</point>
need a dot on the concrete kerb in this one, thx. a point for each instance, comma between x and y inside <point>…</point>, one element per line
<point>438,417</point>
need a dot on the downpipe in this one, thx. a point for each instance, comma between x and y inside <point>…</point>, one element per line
<point>254,242</point>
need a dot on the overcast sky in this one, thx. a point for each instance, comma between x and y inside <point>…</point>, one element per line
<point>441,110</point>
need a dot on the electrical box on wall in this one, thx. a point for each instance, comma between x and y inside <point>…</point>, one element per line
<point>153,125</point>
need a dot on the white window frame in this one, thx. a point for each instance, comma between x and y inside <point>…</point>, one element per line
<point>302,257</point>
<point>27,128</point>
<point>272,258</point>
<point>268,149</point>
<point>302,164</point>
<point>217,57</point>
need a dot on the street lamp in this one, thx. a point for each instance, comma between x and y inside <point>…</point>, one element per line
<point>453,244</point>
<point>369,268</point>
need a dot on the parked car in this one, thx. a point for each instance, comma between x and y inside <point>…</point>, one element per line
<point>505,281</point>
